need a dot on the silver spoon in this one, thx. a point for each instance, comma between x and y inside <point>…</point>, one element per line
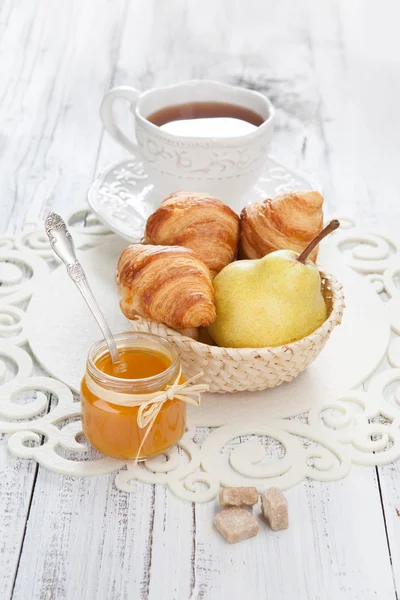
<point>63,245</point>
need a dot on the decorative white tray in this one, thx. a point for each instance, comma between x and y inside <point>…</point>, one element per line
<point>316,427</point>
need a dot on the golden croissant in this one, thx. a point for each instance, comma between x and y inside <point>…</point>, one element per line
<point>197,221</point>
<point>287,221</point>
<point>168,284</point>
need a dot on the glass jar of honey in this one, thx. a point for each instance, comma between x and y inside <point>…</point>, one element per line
<point>149,364</point>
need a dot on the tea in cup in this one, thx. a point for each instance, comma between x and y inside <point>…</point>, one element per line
<point>197,135</point>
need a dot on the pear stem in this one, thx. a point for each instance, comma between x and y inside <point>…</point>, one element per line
<point>322,234</point>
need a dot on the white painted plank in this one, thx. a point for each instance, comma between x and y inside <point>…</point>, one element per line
<point>16,482</point>
<point>389,478</point>
<point>57,63</point>
<point>355,62</point>
<point>133,67</point>
<point>85,539</point>
<point>172,570</point>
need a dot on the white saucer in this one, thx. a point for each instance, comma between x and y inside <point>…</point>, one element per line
<point>123,197</point>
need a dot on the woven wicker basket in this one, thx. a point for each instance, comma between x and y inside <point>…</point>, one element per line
<point>251,369</point>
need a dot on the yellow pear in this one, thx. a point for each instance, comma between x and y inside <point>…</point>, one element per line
<point>269,301</point>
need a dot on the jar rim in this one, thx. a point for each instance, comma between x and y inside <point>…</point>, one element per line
<point>134,339</point>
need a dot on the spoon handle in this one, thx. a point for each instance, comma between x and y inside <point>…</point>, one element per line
<point>63,245</point>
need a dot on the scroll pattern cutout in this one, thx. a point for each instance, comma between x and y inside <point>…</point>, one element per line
<point>42,416</point>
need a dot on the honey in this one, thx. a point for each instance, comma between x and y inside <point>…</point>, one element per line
<point>148,364</point>
<point>135,364</point>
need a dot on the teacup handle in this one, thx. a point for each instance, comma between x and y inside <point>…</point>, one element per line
<point>107,116</point>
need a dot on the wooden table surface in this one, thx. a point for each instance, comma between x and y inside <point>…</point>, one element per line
<point>332,69</point>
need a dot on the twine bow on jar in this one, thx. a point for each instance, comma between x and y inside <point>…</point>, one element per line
<point>151,404</point>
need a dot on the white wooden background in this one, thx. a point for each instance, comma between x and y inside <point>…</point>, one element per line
<point>332,69</point>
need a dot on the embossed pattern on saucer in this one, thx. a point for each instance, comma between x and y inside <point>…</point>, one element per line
<point>123,197</point>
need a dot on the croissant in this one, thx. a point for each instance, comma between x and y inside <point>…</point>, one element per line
<point>287,221</point>
<point>197,221</point>
<point>168,284</point>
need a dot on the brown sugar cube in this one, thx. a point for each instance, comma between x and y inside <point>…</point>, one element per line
<point>238,496</point>
<point>274,507</point>
<point>236,524</point>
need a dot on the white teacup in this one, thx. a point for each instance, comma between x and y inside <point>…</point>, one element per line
<point>222,166</point>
